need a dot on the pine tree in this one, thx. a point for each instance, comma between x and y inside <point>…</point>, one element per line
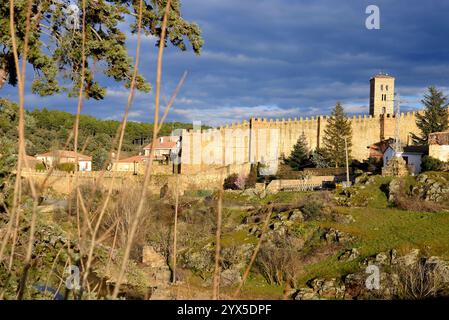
<point>299,157</point>
<point>338,128</point>
<point>55,47</point>
<point>435,116</point>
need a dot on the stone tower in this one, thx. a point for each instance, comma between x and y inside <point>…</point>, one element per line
<point>381,95</point>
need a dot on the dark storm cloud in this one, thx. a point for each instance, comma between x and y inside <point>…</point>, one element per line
<point>284,58</point>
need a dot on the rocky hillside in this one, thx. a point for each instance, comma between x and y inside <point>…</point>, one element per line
<point>316,245</point>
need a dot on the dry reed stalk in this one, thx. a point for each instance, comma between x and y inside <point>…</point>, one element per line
<point>14,239</point>
<point>256,250</point>
<point>216,285</point>
<point>172,99</point>
<point>21,158</point>
<point>51,270</point>
<point>81,89</point>
<point>21,131</point>
<point>78,115</point>
<point>149,164</point>
<point>85,213</point>
<point>175,226</point>
<point>286,292</point>
<point>121,137</point>
<point>108,265</point>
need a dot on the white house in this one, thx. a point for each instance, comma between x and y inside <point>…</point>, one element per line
<point>163,147</point>
<point>63,156</point>
<point>411,154</point>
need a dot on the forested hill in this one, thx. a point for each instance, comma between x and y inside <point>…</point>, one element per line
<point>49,129</point>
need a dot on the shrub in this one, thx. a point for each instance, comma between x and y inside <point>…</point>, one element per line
<point>409,204</point>
<point>230,183</point>
<point>204,193</point>
<point>421,280</point>
<point>8,161</point>
<point>279,262</point>
<point>40,167</point>
<point>252,178</point>
<point>431,164</point>
<point>319,159</point>
<point>153,227</point>
<point>66,167</point>
<point>241,182</point>
<point>312,210</point>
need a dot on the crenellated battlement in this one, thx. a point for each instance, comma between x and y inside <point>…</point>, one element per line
<point>303,121</point>
<point>253,145</point>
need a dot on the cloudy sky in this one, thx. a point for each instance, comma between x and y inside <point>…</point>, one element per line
<point>286,58</point>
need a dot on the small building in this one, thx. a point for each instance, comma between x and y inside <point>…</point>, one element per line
<point>132,164</point>
<point>137,164</point>
<point>162,147</point>
<point>439,146</point>
<point>52,158</point>
<point>412,156</point>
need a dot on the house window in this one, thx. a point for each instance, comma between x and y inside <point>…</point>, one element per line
<point>381,87</point>
<point>383,110</point>
<point>386,87</point>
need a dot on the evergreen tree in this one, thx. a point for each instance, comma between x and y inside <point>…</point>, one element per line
<point>99,158</point>
<point>55,46</point>
<point>318,159</point>
<point>435,116</point>
<point>338,128</point>
<point>299,157</point>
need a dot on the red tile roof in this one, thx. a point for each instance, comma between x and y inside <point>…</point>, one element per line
<point>65,154</point>
<point>166,144</point>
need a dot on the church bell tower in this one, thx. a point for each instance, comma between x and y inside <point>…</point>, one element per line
<point>381,95</point>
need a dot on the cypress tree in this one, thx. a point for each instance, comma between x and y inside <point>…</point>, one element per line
<point>338,128</point>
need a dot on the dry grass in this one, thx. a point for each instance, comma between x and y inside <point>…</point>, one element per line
<point>406,203</point>
<point>256,251</point>
<point>97,218</point>
<point>279,262</point>
<point>420,281</point>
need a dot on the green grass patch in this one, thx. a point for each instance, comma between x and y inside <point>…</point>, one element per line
<point>378,230</point>
<point>384,229</point>
<point>328,268</point>
<point>373,194</point>
<point>237,238</point>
